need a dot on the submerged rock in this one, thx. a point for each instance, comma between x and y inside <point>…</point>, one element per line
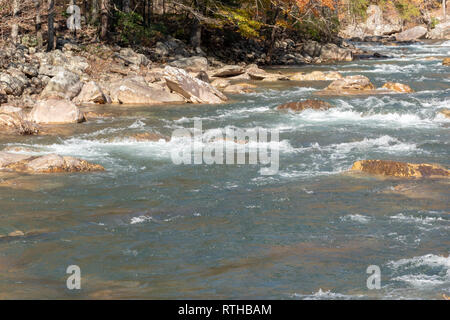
<point>316,76</point>
<point>400,169</point>
<point>193,89</point>
<point>398,87</point>
<point>445,112</point>
<point>54,111</point>
<point>51,163</point>
<point>148,136</point>
<point>240,88</point>
<point>307,104</point>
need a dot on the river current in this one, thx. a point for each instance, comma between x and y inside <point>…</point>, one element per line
<point>147,228</point>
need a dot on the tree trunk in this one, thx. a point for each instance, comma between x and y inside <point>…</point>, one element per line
<point>104,22</point>
<point>51,27</point>
<point>38,24</point>
<point>94,12</point>
<point>196,31</point>
<point>126,6</point>
<point>444,8</point>
<point>15,26</point>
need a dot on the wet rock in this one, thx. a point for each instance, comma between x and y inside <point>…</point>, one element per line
<point>51,163</point>
<point>193,89</point>
<point>228,71</point>
<point>240,88</point>
<point>446,62</point>
<point>135,90</point>
<point>445,112</point>
<point>350,84</point>
<point>398,87</point>
<point>192,64</point>
<point>317,76</point>
<point>202,75</point>
<point>220,83</point>
<point>148,136</point>
<point>400,169</point>
<point>54,111</point>
<point>412,34</point>
<point>65,84</point>
<point>96,115</point>
<point>307,104</point>
<point>91,93</point>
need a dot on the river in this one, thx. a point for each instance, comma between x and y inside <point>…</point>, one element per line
<point>147,228</point>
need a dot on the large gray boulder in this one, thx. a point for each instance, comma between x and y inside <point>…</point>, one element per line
<point>65,84</point>
<point>412,34</point>
<point>54,111</point>
<point>440,31</point>
<point>91,93</point>
<point>52,63</point>
<point>135,90</point>
<point>192,64</point>
<point>193,89</point>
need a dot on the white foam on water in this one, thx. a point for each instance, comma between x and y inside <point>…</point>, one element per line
<point>326,295</point>
<point>429,260</point>
<point>140,219</point>
<point>418,220</point>
<point>356,218</point>
<point>422,280</point>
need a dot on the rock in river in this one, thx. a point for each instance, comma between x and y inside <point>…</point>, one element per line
<point>400,169</point>
<point>307,104</point>
<point>54,111</point>
<point>50,163</point>
<point>193,89</point>
<point>398,87</point>
<point>350,85</point>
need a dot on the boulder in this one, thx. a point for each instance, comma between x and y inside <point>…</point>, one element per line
<point>15,122</point>
<point>445,112</point>
<point>398,87</point>
<point>91,93</point>
<point>307,104</point>
<point>54,111</point>
<point>331,52</point>
<point>400,169</point>
<point>50,163</point>
<point>11,85</point>
<point>350,84</point>
<point>53,62</point>
<point>316,76</point>
<point>131,57</point>
<point>446,62</point>
<point>135,90</point>
<point>440,31</point>
<point>412,34</point>
<point>192,64</point>
<point>228,71</point>
<point>65,84</point>
<point>148,137</point>
<point>240,88</point>
<point>220,83</point>
<point>193,89</point>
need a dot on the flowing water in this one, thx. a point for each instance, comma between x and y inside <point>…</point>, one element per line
<point>147,228</point>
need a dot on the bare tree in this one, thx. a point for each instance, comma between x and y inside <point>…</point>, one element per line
<point>444,8</point>
<point>15,26</point>
<point>51,27</point>
<point>104,19</point>
<point>94,11</point>
<point>38,23</point>
<point>126,6</point>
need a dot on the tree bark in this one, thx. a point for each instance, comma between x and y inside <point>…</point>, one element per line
<point>104,20</point>
<point>94,12</point>
<point>196,31</point>
<point>126,6</point>
<point>444,8</point>
<point>51,27</point>
<point>15,26</point>
<point>38,24</point>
